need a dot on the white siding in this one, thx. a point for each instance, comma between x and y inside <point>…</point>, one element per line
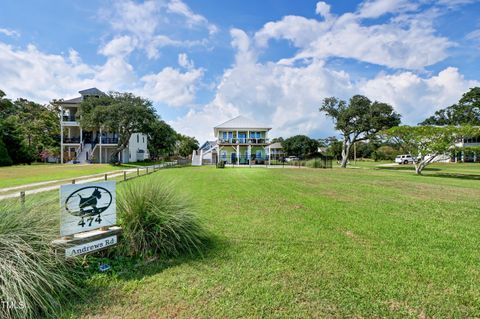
<point>137,148</point>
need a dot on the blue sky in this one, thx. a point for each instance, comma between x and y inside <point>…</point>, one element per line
<point>203,62</point>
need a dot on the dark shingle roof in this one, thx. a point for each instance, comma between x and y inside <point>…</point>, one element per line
<point>91,91</point>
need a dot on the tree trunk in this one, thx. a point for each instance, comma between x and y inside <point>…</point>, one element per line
<point>423,163</point>
<point>418,169</point>
<point>122,144</point>
<point>345,151</point>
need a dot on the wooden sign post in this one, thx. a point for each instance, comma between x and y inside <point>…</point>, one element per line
<point>87,218</point>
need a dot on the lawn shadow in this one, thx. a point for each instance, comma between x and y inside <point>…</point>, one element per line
<point>458,176</point>
<point>406,168</point>
<point>96,286</point>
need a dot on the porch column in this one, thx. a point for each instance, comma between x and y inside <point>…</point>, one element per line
<point>61,142</point>
<point>269,155</point>
<point>100,153</point>
<point>249,154</point>
<point>81,136</point>
<point>474,157</point>
<point>238,152</point>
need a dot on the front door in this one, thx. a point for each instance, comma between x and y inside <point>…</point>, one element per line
<point>87,137</point>
<point>234,158</point>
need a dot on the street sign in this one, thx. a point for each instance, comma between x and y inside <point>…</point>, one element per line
<point>90,247</point>
<point>87,206</point>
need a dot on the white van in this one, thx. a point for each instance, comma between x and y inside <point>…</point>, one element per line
<point>404,159</point>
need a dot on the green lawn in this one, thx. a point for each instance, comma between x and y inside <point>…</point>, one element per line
<point>26,174</point>
<point>312,243</point>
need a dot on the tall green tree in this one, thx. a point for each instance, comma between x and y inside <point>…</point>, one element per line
<point>465,112</point>
<point>162,139</point>
<point>12,136</point>
<point>39,125</point>
<point>358,120</point>
<point>123,113</point>
<point>5,159</point>
<point>427,143</point>
<point>186,145</point>
<point>300,146</point>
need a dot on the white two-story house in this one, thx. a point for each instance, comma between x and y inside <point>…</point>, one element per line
<point>467,155</point>
<point>97,146</point>
<point>237,141</point>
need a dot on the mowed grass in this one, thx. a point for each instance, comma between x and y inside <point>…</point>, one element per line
<point>311,243</point>
<point>26,174</point>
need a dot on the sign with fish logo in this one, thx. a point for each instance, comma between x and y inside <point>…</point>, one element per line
<point>87,206</point>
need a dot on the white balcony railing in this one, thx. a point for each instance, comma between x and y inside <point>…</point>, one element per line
<point>243,141</point>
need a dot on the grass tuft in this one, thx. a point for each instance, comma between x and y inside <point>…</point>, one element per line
<point>33,281</point>
<point>157,221</point>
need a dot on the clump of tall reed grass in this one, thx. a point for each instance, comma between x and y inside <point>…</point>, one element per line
<point>33,281</point>
<point>158,221</point>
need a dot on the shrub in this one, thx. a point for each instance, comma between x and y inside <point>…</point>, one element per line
<point>33,282</point>
<point>5,159</point>
<point>157,221</point>
<point>316,163</point>
<point>221,164</point>
<point>385,153</point>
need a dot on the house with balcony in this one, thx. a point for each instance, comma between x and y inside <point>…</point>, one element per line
<point>468,153</point>
<point>239,141</point>
<point>96,146</point>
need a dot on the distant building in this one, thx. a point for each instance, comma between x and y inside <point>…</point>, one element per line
<point>466,155</point>
<point>239,141</point>
<point>96,146</point>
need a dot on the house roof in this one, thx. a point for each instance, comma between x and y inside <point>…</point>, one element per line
<point>277,145</point>
<point>73,101</point>
<point>91,91</point>
<point>241,122</point>
<point>87,92</point>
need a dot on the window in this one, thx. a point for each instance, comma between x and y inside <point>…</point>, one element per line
<point>224,155</point>
<point>138,138</point>
<point>143,139</point>
<point>258,154</point>
<point>224,135</point>
<point>241,137</point>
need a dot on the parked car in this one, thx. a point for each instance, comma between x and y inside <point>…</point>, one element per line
<point>291,159</point>
<point>404,159</point>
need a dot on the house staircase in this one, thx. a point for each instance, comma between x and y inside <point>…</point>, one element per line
<point>197,158</point>
<point>84,152</point>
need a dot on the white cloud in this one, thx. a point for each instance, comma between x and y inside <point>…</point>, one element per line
<point>145,23</point>
<point>287,97</point>
<point>396,43</point>
<point>41,77</point>
<point>323,9</point>
<point>416,97</point>
<point>9,32</point>
<point>184,62</point>
<point>172,87</point>
<point>119,46</point>
<point>377,8</point>
<point>193,19</point>
<point>473,36</point>
<point>455,3</point>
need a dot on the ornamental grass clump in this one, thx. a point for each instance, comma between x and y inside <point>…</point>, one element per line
<point>157,221</point>
<point>33,281</point>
